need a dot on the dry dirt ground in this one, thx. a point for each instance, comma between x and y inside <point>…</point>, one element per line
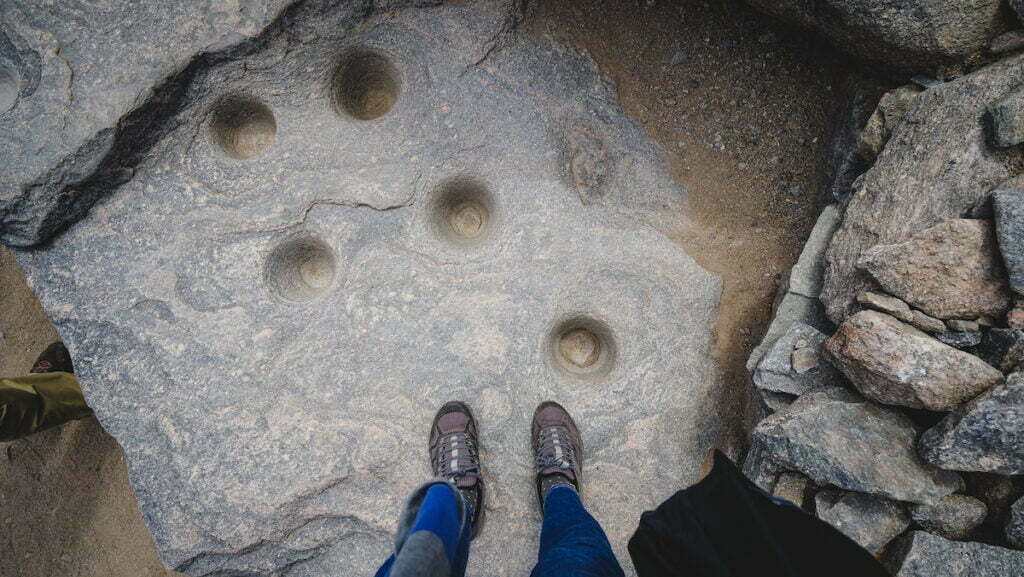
<point>740,108</point>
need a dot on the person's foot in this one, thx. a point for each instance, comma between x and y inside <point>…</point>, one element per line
<point>454,455</point>
<point>557,449</point>
<point>55,358</point>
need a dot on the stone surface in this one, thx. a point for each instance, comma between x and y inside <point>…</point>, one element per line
<point>64,145</point>
<point>954,517</point>
<point>1008,42</point>
<point>1015,318</point>
<point>892,107</point>
<point>905,37</point>
<point>1015,525</point>
<point>896,364</point>
<point>1002,348</point>
<point>887,304</point>
<point>962,326</point>
<point>335,233</point>
<point>959,340</point>
<point>998,492</point>
<point>1006,119</point>
<point>950,271</point>
<point>799,301</point>
<point>793,487</point>
<point>869,520</point>
<point>835,437</point>
<point>926,323</point>
<point>1008,206</point>
<point>986,434</point>
<point>794,364</point>
<point>925,555</point>
<point>807,274</point>
<point>935,166</point>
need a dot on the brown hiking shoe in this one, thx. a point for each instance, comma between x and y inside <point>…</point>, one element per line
<point>454,455</point>
<point>557,449</point>
<point>54,359</point>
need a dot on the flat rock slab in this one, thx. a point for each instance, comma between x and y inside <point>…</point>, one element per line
<point>350,222</point>
<point>835,437</point>
<point>928,555</point>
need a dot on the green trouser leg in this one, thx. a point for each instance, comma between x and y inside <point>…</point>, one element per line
<point>39,401</point>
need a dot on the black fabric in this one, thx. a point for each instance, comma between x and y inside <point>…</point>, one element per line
<point>725,526</point>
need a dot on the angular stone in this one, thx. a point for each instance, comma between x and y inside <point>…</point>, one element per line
<point>950,271</point>
<point>1006,119</point>
<point>896,364</point>
<point>1008,205</point>
<point>998,492</point>
<point>1015,318</point>
<point>926,323</point>
<point>1015,525</point>
<point>869,520</point>
<point>962,326</point>
<point>954,517</point>
<point>905,37</point>
<point>808,273</point>
<point>936,165</point>
<point>759,467</point>
<point>921,554</point>
<point>986,434</point>
<point>887,304</point>
<point>1008,42</point>
<point>959,340</point>
<point>790,309</point>
<point>892,107</point>
<point>1002,348</point>
<point>777,371</point>
<point>269,337</point>
<point>793,487</point>
<point>834,436</point>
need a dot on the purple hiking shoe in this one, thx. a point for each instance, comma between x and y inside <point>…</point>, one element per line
<point>557,447</point>
<point>454,455</point>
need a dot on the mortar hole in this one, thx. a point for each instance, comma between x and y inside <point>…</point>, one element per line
<point>300,269</point>
<point>9,88</point>
<point>365,85</point>
<point>583,347</point>
<point>243,126</point>
<point>462,212</point>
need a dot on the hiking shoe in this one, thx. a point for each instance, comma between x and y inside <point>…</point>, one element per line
<point>557,449</point>
<point>54,359</point>
<point>454,456</point>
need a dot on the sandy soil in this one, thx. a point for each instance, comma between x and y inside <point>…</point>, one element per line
<point>740,113</point>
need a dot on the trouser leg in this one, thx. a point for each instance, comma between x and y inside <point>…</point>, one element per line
<point>572,543</point>
<point>433,536</point>
<point>39,401</point>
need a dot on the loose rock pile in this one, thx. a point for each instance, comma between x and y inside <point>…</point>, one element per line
<point>901,414</point>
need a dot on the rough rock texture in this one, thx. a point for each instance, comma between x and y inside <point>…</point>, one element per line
<point>1008,42</point>
<point>950,271</point>
<point>799,301</point>
<point>869,520</point>
<point>1002,348</point>
<point>926,323</point>
<point>887,304</point>
<point>63,140</point>
<point>1008,206</point>
<point>925,555</point>
<point>906,36</point>
<point>998,492</point>
<point>959,340</point>
<point>1006,119</point>
<point>936,165</point>
<point>1015,525</point>
<point>794,364</point>
<point>896,364</point>
<point>892,107</point>
<point>954,517</point>
<point>834,436</point>
<point>793,487</point>
<point>986,434</point>
<point>335,233</point>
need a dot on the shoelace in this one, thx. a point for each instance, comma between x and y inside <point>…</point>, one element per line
<point>555,449</point>
<point>457,457</point>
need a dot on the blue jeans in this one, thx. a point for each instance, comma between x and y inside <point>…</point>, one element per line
<point>434,536</point>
